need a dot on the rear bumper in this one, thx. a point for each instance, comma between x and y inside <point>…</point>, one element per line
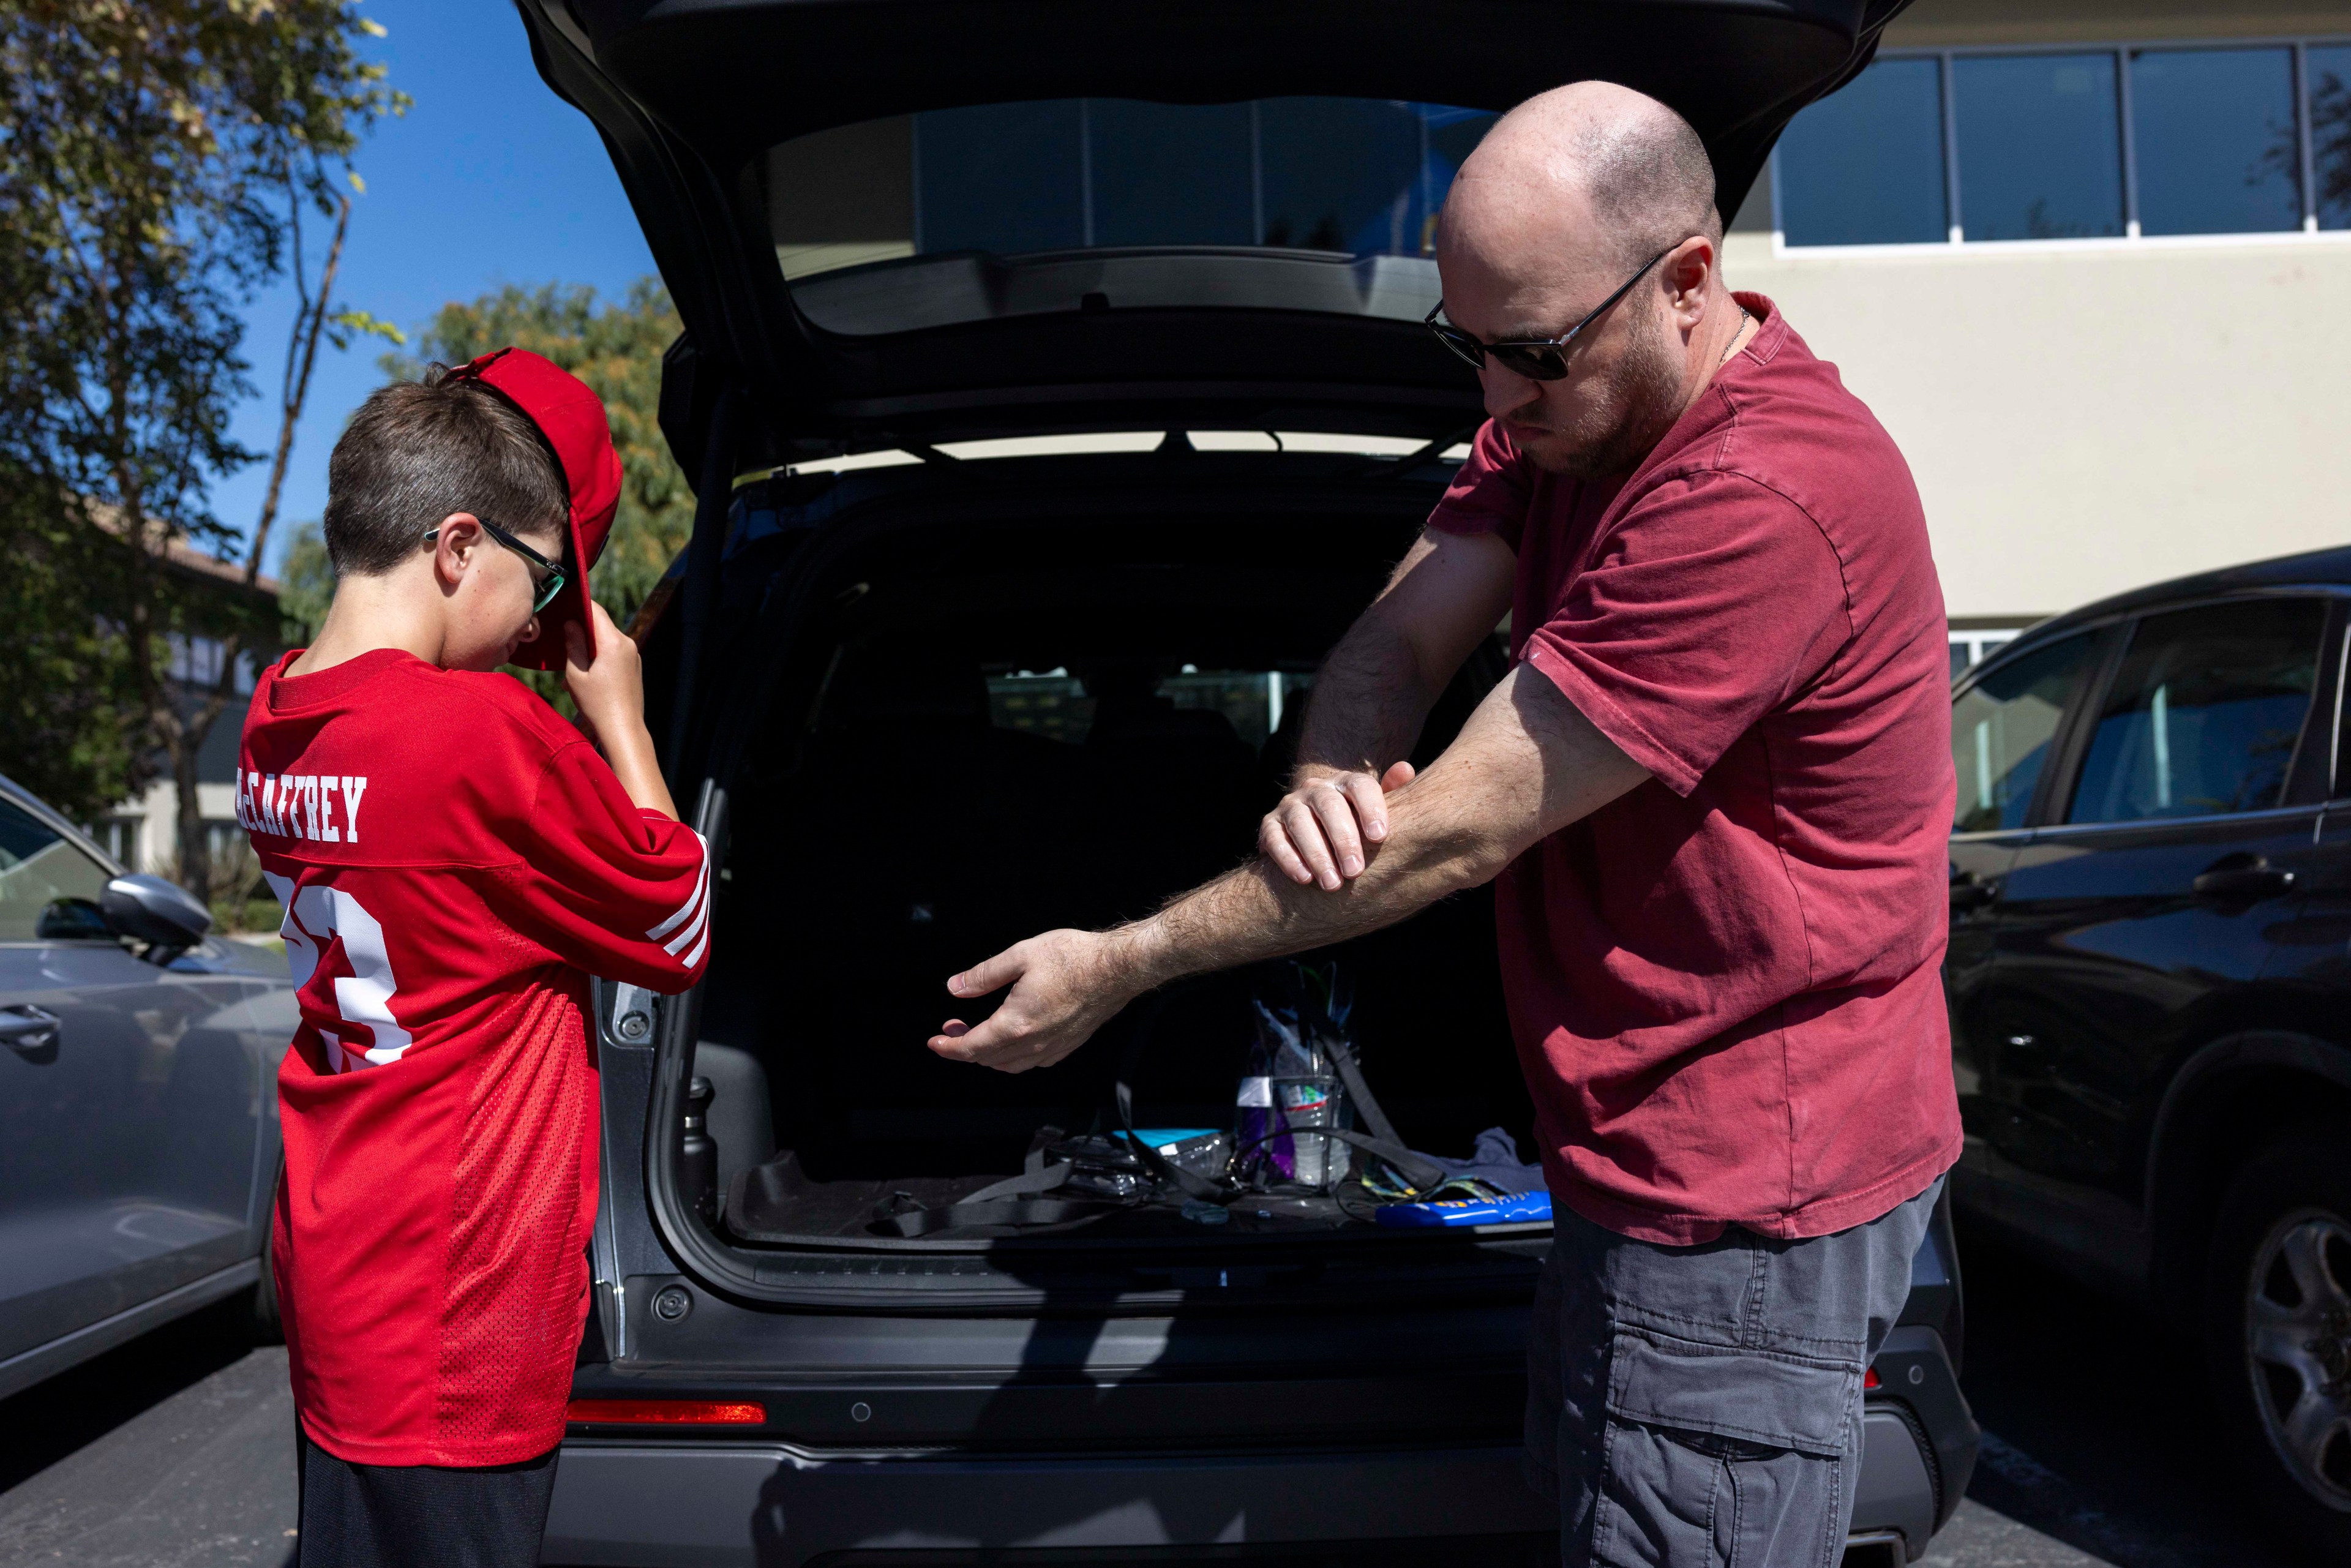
<point>651,1505</point>
<point>622,1504</point>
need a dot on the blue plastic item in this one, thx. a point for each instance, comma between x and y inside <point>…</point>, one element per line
<point>1518,1208</point>
<point>1164,1138</point>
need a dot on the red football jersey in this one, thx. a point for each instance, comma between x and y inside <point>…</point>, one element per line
<point>454,861</point>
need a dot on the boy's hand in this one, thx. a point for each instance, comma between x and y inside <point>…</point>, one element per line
<point>607,679</point>
<point>608,682</point>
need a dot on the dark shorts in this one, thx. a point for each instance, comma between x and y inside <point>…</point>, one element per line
<point>1701,1405</point>
<point>421,1516</point>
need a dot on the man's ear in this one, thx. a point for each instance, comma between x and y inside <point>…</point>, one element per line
<point>1690,269</point>
<point>455,543</point>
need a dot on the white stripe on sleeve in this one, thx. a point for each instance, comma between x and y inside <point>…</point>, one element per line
<point>687,911</point>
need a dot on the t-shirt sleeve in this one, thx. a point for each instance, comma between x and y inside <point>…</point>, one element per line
<point>1713,600</point>
<point>1491,492</point>
<point>616,890</point>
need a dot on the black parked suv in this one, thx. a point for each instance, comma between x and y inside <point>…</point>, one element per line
<point>1055,380</point>
<point>2150,984</point>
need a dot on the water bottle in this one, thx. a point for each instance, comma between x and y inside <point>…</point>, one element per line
<point>1291,1086</point>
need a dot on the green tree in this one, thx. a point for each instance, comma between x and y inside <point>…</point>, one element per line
<point>306,583</point>
<point>68,730</point>
<point>158,159</point>
<point>616,349</point>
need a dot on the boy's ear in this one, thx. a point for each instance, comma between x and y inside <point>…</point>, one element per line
<point>455,542</point>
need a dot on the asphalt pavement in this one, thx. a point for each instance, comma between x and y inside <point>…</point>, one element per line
<point>176,1451</point>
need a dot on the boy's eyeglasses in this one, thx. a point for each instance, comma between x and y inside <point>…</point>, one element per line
<point>548,586</point>
<point>1537,358</point>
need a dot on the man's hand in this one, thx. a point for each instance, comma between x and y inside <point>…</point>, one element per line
<point>1323,829</point>
<point>1065,984</point>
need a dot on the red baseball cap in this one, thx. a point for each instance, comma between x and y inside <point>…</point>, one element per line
<point>571,418</point>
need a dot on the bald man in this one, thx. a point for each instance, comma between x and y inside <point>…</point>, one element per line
<point>1714,788</point>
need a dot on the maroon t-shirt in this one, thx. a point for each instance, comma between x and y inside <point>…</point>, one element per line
<point>1725,984</point>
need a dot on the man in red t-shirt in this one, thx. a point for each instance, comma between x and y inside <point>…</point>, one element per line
<point>454,861</point>
<point>1714,788</point>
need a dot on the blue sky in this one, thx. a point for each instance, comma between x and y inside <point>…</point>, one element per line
<point>489,179</point>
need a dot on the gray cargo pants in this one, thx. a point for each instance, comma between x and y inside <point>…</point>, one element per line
<point>1701,1405</point>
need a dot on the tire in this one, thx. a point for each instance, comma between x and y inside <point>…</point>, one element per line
<point>2277,1335</point>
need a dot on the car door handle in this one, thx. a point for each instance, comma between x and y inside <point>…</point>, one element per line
<point>28,1028</point>
<point>2243,876</point>
<point>1971,892</point>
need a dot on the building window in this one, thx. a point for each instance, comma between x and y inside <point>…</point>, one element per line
<point>118,837</point>
<point>2217,150</point>
<point>2039,146</point>
<point>2328,73</point>
<point>1864,166</point>
<point>1972,145</point>
<point>197,661</point>
<point>1969,649</point>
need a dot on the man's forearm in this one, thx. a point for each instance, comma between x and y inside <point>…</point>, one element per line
<point>1254,913</point>
<point>1525,765</point>
<point>1387,671</point>
<point>1368,704</point>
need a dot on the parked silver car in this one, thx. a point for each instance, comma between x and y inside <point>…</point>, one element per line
<point>138,1102</point>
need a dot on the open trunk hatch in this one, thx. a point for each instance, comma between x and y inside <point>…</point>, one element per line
<point>693,95</point>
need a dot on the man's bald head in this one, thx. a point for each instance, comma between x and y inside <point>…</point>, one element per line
<point>1559,213</point>
<point>1610,169</point>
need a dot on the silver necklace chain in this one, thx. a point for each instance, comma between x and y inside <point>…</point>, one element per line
<point>1743,318</point>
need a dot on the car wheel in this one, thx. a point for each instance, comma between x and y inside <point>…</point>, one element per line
<point>2278,1334</point>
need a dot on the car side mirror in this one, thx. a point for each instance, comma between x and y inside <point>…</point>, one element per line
<point>148,909</point>
<point>72,920</point>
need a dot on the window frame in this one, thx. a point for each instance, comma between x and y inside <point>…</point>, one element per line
<point>2306,785</point>
<point>1954,205</point>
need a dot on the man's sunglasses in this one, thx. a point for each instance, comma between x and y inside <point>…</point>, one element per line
<point>548,586</point>
<point>1537,358</point>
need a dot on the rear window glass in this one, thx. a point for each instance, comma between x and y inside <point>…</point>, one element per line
<point>2001,729</point>
<point>1062,705</point>
<point>38,866</point>
<point>2204,713</point>
<point>1364,176</point>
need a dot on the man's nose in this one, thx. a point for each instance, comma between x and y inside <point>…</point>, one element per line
<point>1507,391</point>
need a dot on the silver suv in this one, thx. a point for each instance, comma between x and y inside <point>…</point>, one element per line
<point>1055,380</point>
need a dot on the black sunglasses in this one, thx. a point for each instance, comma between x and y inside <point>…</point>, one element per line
<point>548,586</point>
<point>1537,358</point>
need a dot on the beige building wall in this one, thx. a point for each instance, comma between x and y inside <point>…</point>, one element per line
<point>2086,416</point>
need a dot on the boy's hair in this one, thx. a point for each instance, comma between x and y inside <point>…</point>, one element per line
<point>416,452</point>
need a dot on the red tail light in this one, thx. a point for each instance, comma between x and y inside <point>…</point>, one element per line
<point>669,1412</point>
<point>1868,1380</point>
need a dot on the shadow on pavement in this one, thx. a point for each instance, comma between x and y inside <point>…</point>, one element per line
<point>2098,1430</point>
<point>45,1422</point>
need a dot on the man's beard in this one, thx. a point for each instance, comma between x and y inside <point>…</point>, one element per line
<point>1624,425</point>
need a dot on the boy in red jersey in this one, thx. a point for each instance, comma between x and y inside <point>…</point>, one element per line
<point>454,860</point>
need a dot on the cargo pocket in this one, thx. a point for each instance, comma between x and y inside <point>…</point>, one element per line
<point>1720,1456</point>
